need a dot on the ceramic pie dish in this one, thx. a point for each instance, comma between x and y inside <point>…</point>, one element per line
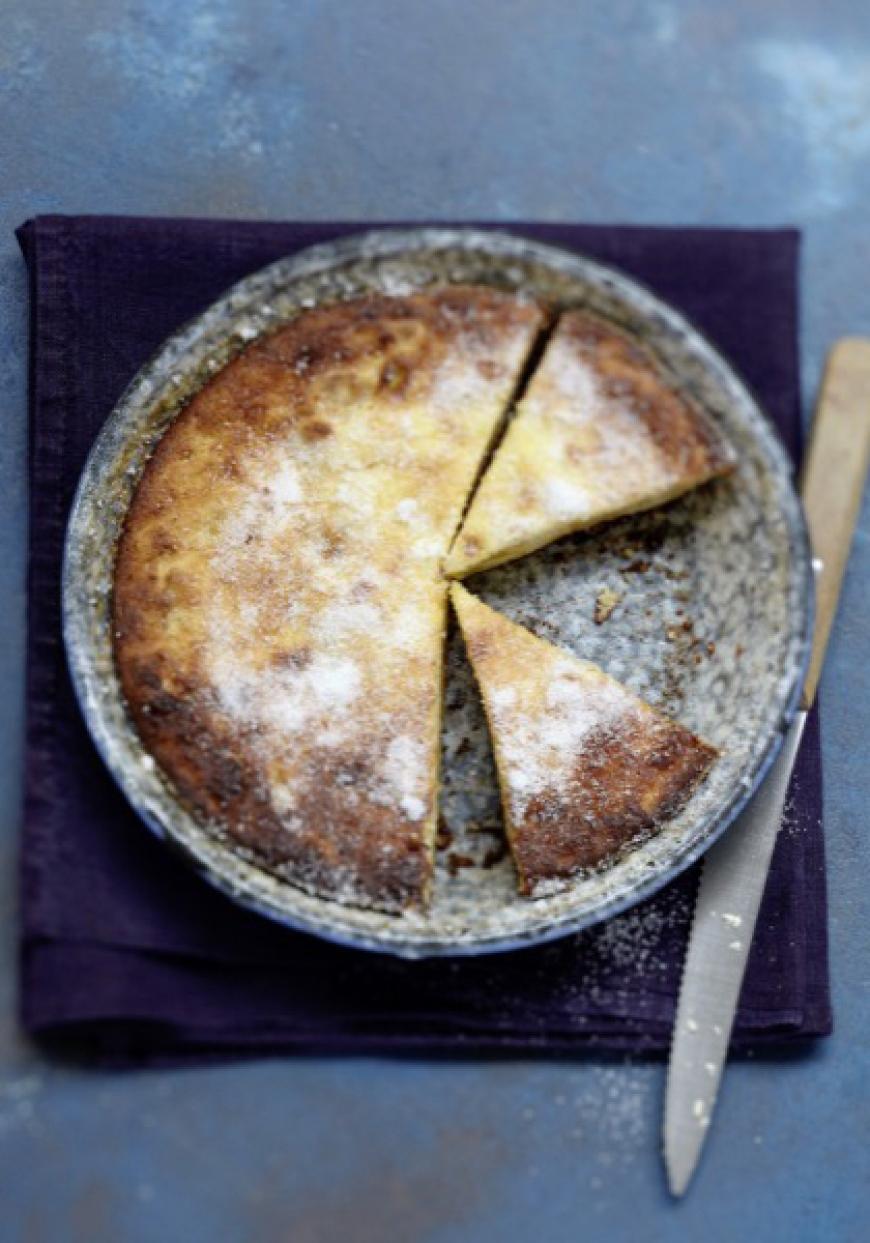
<point>711,624</point>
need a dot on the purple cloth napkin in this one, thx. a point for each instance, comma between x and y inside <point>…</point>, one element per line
<point>128,954</point>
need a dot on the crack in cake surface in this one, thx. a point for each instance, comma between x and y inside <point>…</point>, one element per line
<point>599,432</point>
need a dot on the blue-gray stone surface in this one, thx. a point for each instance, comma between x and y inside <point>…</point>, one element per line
<point>679,111</point>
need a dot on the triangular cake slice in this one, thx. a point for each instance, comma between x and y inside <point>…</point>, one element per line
<point>599,433</point>
<point>586,769</point>
<point>279,607</point>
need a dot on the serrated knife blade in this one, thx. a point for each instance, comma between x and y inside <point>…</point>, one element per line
<point>735,868</point>
<point>732,884</point>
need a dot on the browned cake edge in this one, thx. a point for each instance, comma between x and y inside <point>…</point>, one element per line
<point>365,857</point>
<point>630,372</point>
<point>562,835</point>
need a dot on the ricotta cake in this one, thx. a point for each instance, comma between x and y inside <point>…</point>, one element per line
<point>586,768</point>
<point>279,605</point>
<point>599,433</point>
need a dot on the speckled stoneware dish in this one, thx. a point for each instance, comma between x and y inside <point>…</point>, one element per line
<point>712,621</point>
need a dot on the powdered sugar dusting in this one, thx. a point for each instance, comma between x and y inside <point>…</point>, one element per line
<point>408,510</point>
<point>605,431</point>
<point>335,683</point>
<point>324,618</point>
<point>284,486</point>
<point>567,499</point>
<point>410,625</point>
<point>288,700</point>
<point>406,775</point>
<point>455,386</point>
<point>565,375</point>
<point>314,634</point>
<point>467,374</point>
<point>575,453</point>
<point>350,618</point>
<point>539,746</point>
<point>502,698</point>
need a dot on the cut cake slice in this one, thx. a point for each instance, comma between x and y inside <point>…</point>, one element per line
<point>598,434</point>
<point>585,767</point>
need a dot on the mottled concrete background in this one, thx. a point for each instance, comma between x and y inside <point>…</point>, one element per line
<point>683,112</point>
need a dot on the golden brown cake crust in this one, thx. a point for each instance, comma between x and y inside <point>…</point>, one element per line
<point>594,816</point>
<point>362,851</point>
<point>628,375</point>
<point>278,605</point>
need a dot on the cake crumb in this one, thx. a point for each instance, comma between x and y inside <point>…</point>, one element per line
<point>495,855</point>
<point>455,861</point>
<point>444,836</point>
<point>605,602</point>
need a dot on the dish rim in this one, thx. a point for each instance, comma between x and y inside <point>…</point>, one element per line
<point>385,243</point>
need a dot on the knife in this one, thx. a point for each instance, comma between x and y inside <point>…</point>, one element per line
<point>735,868</point>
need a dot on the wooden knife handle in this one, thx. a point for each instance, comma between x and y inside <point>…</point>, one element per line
<point>832,481</point>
